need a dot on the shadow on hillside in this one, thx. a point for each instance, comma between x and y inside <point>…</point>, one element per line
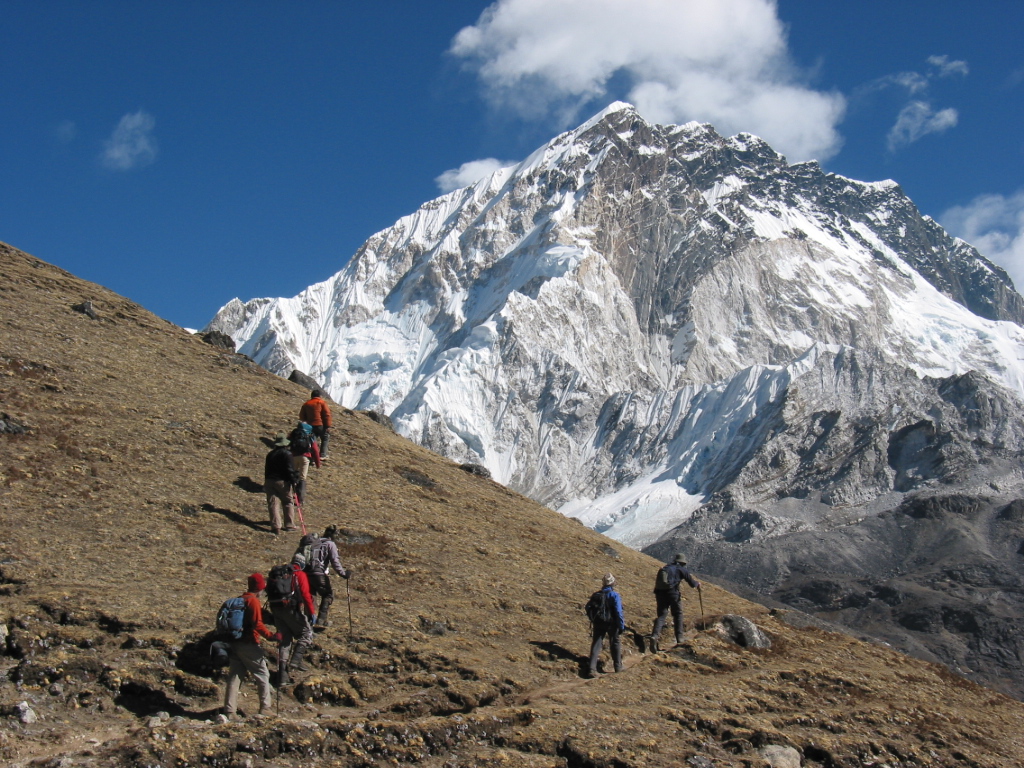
<point>561,652</point>
<point>237,517</point>
<point>248,485</point>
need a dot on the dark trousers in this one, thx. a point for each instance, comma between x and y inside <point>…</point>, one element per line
<point>324,435</point>
<point>668,601</point>
<point>320,585</point>
<point>614,645</point>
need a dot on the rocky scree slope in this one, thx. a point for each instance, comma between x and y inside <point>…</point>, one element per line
<point>130,460</point>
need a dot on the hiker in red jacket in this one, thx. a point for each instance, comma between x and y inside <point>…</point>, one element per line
<point>294,614</point>
<point>317,414</point>
<point>246,654</point>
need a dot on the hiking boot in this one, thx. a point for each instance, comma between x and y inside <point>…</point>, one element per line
<point>290,528</point>
<point>296,661</point>
<point>276,531</point>
<point>282,677</point>
<point>222,719</point>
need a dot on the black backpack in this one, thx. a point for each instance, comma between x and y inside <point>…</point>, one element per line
<point>281,585</point>
<point>301,441</point>
<point>601,608</point>
<point>230,618</point>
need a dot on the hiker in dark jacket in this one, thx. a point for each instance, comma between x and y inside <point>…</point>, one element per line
<point>613,628</point>
<point>246,655</point>
<point>325,557</point>
<point>666,595</point>
<point>294,618</point>
<point>317,413</point>
<point>278,483</point>
<point>304,450</point>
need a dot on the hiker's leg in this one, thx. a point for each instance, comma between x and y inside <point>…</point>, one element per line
<point>289,507</point>
<point>677,616</point>
<point>324,433</point>
<point>595,648</point>
<point>615,646</point>
<point>283,622</point>
<point>255,661</point>
<point>304,639</point>
<point>320,585</point>
<point>274,509</point>
<point>664,605</point>
<point>301,465</point>
<point>236,669</point>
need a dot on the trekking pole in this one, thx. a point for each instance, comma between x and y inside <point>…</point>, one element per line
<point>700,594</point>
<point>348,594</point>
<point>278,679</point>
<point>298,506</point>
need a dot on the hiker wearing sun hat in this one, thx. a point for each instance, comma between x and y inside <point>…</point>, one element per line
<point>668,599</point>
<point>278,482</point>
<point>604,609</point>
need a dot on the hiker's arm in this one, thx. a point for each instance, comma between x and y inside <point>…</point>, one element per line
<point>307,597</point>
<point>256,612</point>
<point>335,559</point>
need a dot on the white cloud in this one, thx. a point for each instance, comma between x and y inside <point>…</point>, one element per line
<point>132,144</point>
<point>721,61</point>
<point>947,67</point>
<point>467,173</point>
<point>993,224</point>
<point>918,119</point>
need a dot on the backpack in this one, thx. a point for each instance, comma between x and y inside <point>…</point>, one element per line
<point>601,608</point>
<point>281,585</point>
<point>665,582</point>
<point>231,617</point>
<point>311,546</point>
<point>301,439</point>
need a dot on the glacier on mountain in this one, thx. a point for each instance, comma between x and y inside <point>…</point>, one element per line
<point>616,326</point>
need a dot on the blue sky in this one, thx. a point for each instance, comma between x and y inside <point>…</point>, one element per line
<point>186,153</point>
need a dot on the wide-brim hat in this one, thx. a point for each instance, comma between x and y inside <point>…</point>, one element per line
<point>281,440</point>
<point>608,580</point>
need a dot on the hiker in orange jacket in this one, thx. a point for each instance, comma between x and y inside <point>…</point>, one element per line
<point>317,414</point>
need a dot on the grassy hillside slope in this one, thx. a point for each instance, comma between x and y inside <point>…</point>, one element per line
<point>131,509</point>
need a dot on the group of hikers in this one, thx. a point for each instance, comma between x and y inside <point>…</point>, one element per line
<point>286,467</point>
<point>608,619</point>
<point>291,589</point>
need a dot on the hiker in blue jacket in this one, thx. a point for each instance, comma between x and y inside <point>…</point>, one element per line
<point>607,618</point>
<point>668,599</point>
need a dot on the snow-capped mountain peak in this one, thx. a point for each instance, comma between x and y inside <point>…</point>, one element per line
<point>621,325</point>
